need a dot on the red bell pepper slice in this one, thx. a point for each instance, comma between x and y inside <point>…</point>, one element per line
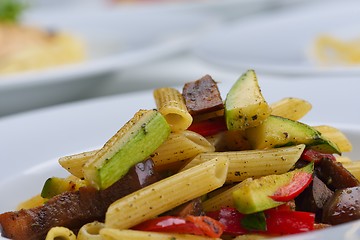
<point>279,221</point>
<point>288,222</point>
<point>298,183</point>
<point>197,225</point>
<point>311,155</point>
<point>209,127</point>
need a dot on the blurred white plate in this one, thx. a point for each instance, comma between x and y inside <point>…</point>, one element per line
<point>227,9</point>
<point>115,40</point>
<point>279,42</point>
<point>32,142</point>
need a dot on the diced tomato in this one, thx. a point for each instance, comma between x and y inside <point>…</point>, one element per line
<point>298,183</point>
<point>288,222</point>
<point>311,155</point>
<point>209,127</point>
<point>197,225</point>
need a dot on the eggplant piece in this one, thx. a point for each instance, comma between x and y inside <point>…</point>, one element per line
<point>74,209</point>
<point>193,207</point>
<point>335,175</point>
<point>342,207</point>
<point>313,198</point>
<point>202,96</point>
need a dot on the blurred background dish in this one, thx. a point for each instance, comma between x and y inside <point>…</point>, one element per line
<point>118,37</point>
<point>113,41</point>
<point>227,9</point>
<point>282,42</point>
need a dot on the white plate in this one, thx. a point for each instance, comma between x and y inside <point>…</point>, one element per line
<point>227,9</point>
<point>115,40</point>
<point>32,142</point>
<point>279,42</point>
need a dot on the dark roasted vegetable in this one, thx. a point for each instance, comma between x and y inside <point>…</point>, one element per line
<point>334,175</point>
<point>343,206</point>
<point>74,209</point>
<point>202,96</point>
<point>314,198</point>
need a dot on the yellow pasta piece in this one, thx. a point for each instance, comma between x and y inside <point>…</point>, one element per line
<point>74,163</point>
<point>31,203</point>
<point>116,234</point>
<point>330,50</point>
<point>342,159</point>
<point>90,231</point>
<point>223,199</point>
<point>178,147</point>
<point>181,146</point>
<point>62,233</point>
<point>251,237</point>
<point>292,108</point>
<point>171,104</point>
<point>254,163</point>
<point>336,136</point>
<point>164,195</point>
<point>353,167</point>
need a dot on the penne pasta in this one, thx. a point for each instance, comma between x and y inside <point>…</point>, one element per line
<point>254,163</point>
<point>336,136</point>
<point>74,163</point>
<point>181,146</point>
<point>353,167</point>
<point>164,195</point>
<point>31,202</point>
<point>342,159</point>
<point>252,237</point>
<point>116,234</point>
<point>292,108</point>
<point>171,105</point>
<point>90,231</point>
<point>62,233</point>
<point>223,199</point>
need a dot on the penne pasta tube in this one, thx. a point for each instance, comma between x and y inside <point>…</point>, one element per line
<point>343,159</point>
<point>166,194</point>
<point>62,233</point>
<point>32,202</point>
<point>181,146</point>
<point>223,199</point>
<point>336,136</point>
<point>292,108</point>
<point>90,231</point>
<point>74,163</point>
<point>116,234</point>
<point>254,163</point>
<point>252,237</point>
<point>170,103</point>
<point>353,167</point>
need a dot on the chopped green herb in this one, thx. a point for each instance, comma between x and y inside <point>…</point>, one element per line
<point>10,10</point>
<point>254,222</point>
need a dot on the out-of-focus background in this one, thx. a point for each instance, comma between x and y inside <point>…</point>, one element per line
<point>114,46</point>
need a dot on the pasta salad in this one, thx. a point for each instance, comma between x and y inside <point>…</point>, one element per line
<point>200,167</point>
